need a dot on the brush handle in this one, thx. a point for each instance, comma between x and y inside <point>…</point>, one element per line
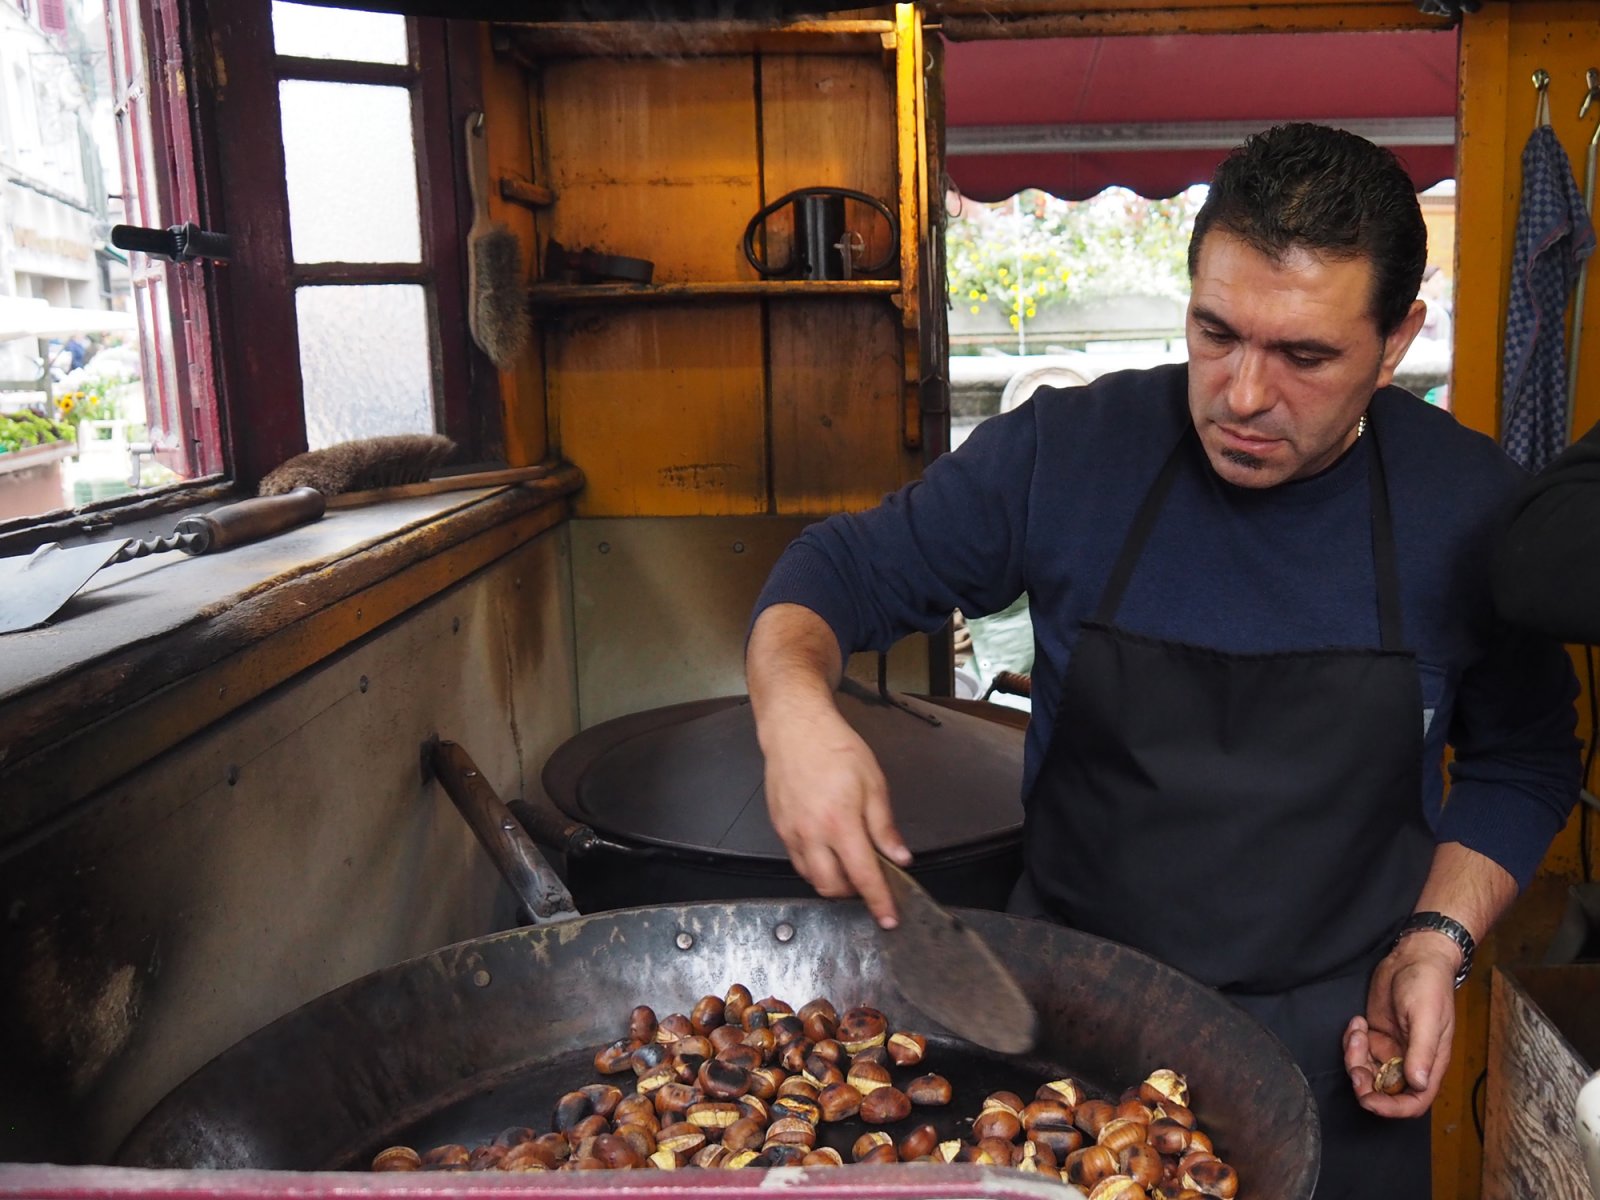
<point>432,487</point>
<point>478,168</point>
<point>235,524</point>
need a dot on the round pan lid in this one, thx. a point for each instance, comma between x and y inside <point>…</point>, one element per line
<point>690,777</point>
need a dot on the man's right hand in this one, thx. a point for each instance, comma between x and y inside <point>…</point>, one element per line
<point>826,794</point>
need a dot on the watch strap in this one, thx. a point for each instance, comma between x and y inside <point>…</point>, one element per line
<point>1453,929</point>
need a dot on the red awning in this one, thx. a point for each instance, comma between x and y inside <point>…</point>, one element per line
<point>1175,91</point>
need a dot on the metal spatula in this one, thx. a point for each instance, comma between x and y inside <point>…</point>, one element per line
<point>950,974</point>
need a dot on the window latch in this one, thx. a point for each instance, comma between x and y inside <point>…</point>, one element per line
<point>180,243</point>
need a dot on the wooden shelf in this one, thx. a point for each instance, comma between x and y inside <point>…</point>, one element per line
<point>688,39</point>
<point>552,295</point>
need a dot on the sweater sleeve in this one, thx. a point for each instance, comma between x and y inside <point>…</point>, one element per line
<point>1546,569</point>
<point>953,539</point>
<point>1515,774</point>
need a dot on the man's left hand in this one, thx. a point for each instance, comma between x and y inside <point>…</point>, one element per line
<point>1411,1012</point>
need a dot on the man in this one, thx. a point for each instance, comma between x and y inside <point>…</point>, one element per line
<point>1260,598</point>
<point>1546,572</point>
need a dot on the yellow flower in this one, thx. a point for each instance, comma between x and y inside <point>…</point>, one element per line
<point>1014,321</point>
<point>65,404</point>
<point>973,294</point>
<point>974,309</point>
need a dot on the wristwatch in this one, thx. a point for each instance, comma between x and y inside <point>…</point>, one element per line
<point>1451,928</point>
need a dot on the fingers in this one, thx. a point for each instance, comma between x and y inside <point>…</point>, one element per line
<point>1358,1058</point>
<point>881,827</point>
<point>1410,1014</point>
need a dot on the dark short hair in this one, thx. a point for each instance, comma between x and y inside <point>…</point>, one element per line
<point>1311,187</point>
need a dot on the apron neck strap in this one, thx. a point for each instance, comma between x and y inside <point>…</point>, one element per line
<point>1384,559</point>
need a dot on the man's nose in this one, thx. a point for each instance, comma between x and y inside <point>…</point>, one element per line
<point>1250,391</point>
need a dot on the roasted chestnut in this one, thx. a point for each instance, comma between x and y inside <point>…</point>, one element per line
<point>880,1154</point>
<point>673,1028</point>
<point>795,1055</point>
<point>920,1142</point>
<point>786,1028</point>
<point>1062,1142</point>
<point>862,1027</point>
<point>821,1019</point>
<point>997,1123</point>
<point>753,1017</point>
<point>803,1107</point>
<point>791,1131</point>
<point>617,1152</point>
<point>682,1139</point>
<point>780,1154</point>
<point>1141,1163</point>
<point>798,1085</point>
<point>449,1155</point>
<point>761,1040</point>
<point>744,1134</point>
<point>397,1158</point>
<point>1390,1078</point>
<point>570,1109</point>
<point>642,1024</point>
<point>1007,1101</point>
<point>829,1050</point>
<point>997,1150</point>
<point>872,1054</point>
<point>906,1049</point>
<point>714,1155</point>
<point>742,1158</point>
<point>1069,1091</point>
<point>755,1108</point>
<point>871,1141</point>
<point>734,1002</point>
<point>930,1091</point>
<point>617,1057</point>
<point>866,1078</point>
<point>724,1036</point>
<point>822,1072</point>
<point>706,1015</point>
<point>1168,1085</point>
<point>1117,1187</point>
<point>1167,1136</point>
<point>591,1126</point>
<point>884,1105</point>
<point>1087,1167</point>
<point>1212,1177</point>
<point>838,1102</point>
<point>1091,1115</point>
<point>674,1099</point>
<point>528,1156</point>
<point>648,1057</point>
<point>656,1078</point>
<point>774,1006</point>
<point>603,1097</point>
<point>764,1081</point>
<point>713,1116</point>
<point>823,1156</point>
<point>640,1137</point>
<point>722,1079</point>
<point>1117,1134</point>
<point>747,1057</point>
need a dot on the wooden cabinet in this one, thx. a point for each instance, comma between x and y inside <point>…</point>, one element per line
<point>1544,1043</point>
<point>712,391</point>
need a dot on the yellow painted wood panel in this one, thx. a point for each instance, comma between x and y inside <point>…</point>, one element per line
<point>836,405</point>
<point>654,159</point>
<point>663,409</point>
<point>828,121</point>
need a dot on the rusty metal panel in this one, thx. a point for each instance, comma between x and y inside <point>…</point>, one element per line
<point>661,606</point>
<point>283,851</point>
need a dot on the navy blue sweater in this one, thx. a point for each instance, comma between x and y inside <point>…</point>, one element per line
<point>1041,498</point>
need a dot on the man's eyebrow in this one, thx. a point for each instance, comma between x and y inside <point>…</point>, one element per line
<point>1290,346</point>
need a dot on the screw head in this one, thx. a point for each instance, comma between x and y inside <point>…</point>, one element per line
<point>481,977</point>
<point>684,940</point>
<point>784,932</point>
<point>363,685</point>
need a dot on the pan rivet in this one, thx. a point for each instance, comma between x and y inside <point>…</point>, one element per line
<point>784,932</point>
<point>455,624</point>
<point>684,940</point>
<point>738,547</point>
<point>480,977</point>
<point>363,685</point>
<point>233,775</point>
<point>605,547</point>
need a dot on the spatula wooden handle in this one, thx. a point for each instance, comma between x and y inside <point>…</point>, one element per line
<point>248,520</point>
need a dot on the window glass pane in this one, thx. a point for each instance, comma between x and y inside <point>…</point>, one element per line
<point>351,172</point>
<point>310,31</point>
<point>364,361</point>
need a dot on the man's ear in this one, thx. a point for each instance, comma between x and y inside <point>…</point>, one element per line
<point>1398,342</point>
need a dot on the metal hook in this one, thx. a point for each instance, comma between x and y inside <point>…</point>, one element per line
<point>477,122</point>
<point>1541,111</point>
<point>1592,78</point>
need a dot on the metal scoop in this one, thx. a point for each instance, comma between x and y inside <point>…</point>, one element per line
<point>948,972</point>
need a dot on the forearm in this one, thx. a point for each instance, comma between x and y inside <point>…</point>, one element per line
<point>1467,886</point>
<point>792,666</point>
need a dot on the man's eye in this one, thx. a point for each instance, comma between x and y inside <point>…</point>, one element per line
<point>1216,337</point>
<point>1304,361</point>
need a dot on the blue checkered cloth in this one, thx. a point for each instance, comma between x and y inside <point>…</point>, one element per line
<point>1554,236</point>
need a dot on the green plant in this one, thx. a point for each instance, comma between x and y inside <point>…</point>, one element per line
<point>20,430</point>
<point>1035,248</point>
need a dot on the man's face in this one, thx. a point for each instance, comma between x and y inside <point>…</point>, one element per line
<point>1283,358</point>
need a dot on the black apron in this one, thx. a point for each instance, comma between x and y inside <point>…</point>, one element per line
<point>1254,820</point>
